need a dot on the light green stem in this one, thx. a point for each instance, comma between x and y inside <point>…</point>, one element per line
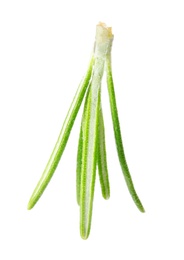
<point>103,42</point>
<point>62,139</point>
<point>118,138</point>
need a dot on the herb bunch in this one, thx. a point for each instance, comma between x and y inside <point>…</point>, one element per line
<point>91,145</point>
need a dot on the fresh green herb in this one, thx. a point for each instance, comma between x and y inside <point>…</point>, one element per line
<point>101,155</point>
<point>91,145</point>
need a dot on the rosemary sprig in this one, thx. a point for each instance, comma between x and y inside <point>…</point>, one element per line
<point>91,144</point>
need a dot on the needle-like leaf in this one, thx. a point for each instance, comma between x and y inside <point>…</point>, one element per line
<point>80,149</point>
<point>89,164</point>
<point>62,139</point>
<point>79,162</point>
<point>117,133</point>
<point>101,154</point>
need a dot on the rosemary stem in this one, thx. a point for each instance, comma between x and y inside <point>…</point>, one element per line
<point>103,42</point>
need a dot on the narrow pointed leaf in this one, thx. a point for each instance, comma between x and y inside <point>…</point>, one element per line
<point>88,166</point>
<point>62,139</point>
<point>118,138</point>
<point>79,164</point>
<point>101,155</point>
<point>80,150</point>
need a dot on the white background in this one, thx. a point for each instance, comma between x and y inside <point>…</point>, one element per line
<point>45,47</point>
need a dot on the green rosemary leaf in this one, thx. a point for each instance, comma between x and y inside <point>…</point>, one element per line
<point>89,166</point>
<point>62,139</point>
<point>79,164</point>
<point>118,138</point>
<point>80,149</point>
<point>101,155</point>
